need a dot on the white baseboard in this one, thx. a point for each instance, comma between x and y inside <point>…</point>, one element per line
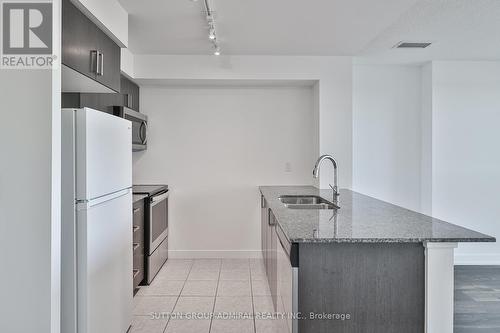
<point>219,254</point>
<point>460,259</point>
<point>477,259</point>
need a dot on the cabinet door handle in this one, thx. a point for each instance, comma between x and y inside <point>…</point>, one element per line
<point>94,63</point>
<point>136,246</point>
<point>272,219</point>
<point>102,63</point>
<point>135,228</point>
<point>135,272</point>
<point>129,100</point>
<point>98,69</point>
<point>136,210</point>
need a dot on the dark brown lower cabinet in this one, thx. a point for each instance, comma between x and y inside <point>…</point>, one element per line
<point>138,243</point>
<point>372,287</point>
<point>344,287</point>
<point>263,229</point>
<point>269,247</point>
<point>272,258</point>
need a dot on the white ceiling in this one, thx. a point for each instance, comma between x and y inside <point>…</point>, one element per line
<point>460,29</point>
<point>268,27</point>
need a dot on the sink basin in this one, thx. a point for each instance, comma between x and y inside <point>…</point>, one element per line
<point>306,202</point>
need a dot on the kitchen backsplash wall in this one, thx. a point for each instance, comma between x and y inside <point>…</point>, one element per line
<point>214,146</point>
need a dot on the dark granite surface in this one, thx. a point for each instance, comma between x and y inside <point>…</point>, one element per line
<point>149,189</point>
<point>360,219</point>
<point>137,197</point>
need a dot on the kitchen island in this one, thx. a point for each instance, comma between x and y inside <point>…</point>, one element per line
<point>368,266</point>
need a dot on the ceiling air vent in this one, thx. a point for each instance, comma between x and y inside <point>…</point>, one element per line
<point>412,45</point>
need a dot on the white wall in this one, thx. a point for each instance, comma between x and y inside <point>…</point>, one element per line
<point>30,224</point>
<point>214,146</point>
<point>387,133</point>
<point>426,138</point>
<point>393,132</point>
<point>426,141</point>
<point>29,203</point>
<point>127,62</point>
<point>466,162</point>
<point>333,90</point>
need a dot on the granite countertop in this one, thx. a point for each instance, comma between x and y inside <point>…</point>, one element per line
<point>360,219</point>
<point>137,197</point>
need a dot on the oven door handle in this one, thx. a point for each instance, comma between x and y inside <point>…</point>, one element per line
<point>158,198</point>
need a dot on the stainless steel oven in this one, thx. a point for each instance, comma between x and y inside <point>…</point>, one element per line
<point>158,213</point>
<point>139,126</point>
<point>157,234</point>
<point>155,228</point>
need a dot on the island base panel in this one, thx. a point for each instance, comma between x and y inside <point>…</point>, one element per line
<point>439,287</point>
<point>381,286</point>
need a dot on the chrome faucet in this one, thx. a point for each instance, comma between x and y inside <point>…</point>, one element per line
<point>335,174</point>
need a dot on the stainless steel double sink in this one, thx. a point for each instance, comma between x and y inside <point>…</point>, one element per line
<point>306,202</point>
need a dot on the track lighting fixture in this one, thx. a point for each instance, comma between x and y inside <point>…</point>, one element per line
<point>212,34</point>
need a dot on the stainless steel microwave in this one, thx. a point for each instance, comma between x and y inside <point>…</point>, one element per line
<point>139,126</point>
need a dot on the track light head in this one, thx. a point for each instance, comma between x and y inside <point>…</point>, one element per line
<point>211,34</point>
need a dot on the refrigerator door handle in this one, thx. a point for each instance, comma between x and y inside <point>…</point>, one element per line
<point>84,204</point>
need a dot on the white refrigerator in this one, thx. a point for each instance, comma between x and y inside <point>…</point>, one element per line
<point>96,286</point>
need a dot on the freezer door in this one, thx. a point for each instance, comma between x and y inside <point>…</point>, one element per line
<point>104,265</point>
<point>103,154</point>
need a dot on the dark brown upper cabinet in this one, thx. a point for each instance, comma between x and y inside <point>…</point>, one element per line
<point>128,96</point>
<point>130,90</point>
<point>88,50</point>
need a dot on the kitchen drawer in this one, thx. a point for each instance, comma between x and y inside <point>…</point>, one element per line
<point>138,265</point>
<point>138,234</point>
<point>139,214</point>
<point>138,276</point>
<point>139,258</point>
<point>138,242</point>
<point>138,223</point>
<point>138,248</point>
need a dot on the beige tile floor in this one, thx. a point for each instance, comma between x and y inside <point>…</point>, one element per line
<point>204,287</point>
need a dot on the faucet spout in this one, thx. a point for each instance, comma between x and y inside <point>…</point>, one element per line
<point>335,173</point>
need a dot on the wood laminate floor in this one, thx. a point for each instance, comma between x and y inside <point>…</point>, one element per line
<point>477,299</point>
